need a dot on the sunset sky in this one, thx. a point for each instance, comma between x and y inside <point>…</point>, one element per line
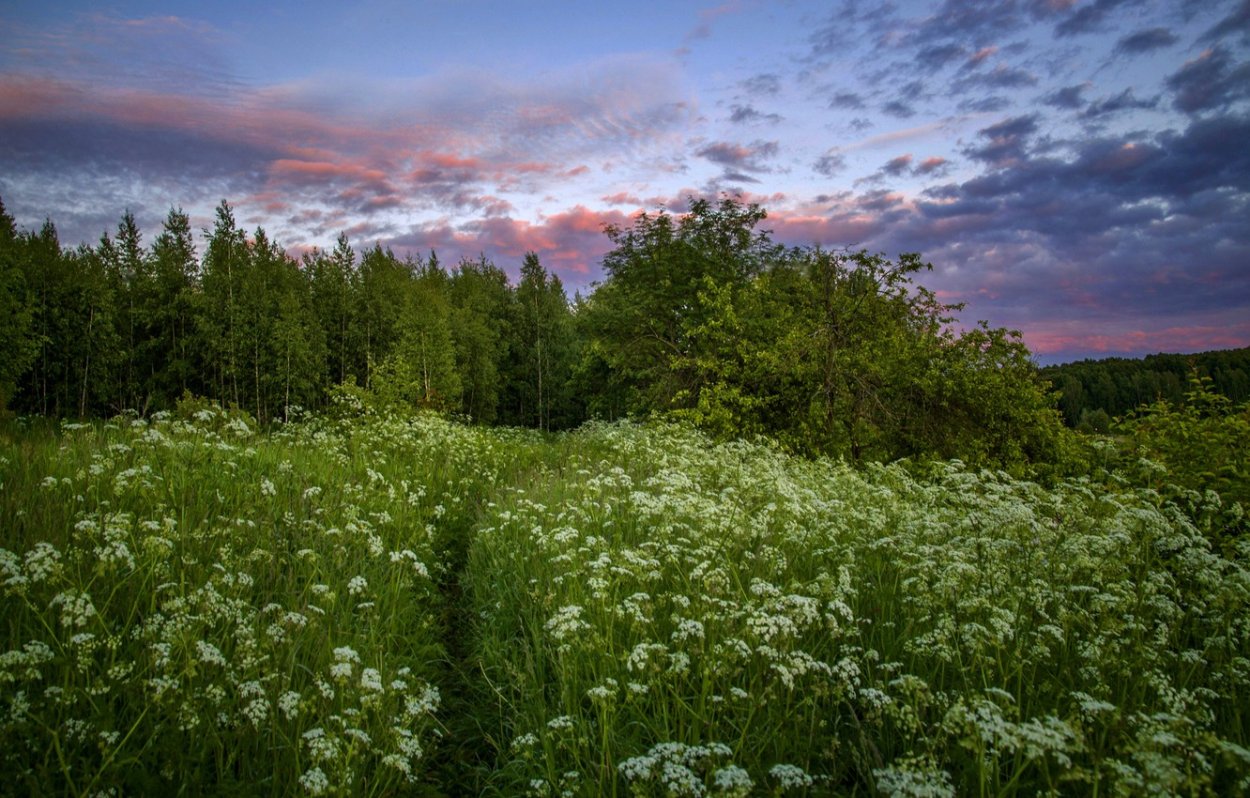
<point>1075,169</point>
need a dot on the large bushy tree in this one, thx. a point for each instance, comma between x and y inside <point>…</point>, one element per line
<point>837,353</point>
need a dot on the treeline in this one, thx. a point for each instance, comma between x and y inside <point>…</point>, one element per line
<point>97,330</point>
<point>700,316</point>
<point>1092,392</point>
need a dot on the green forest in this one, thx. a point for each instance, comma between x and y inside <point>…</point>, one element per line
<point>744,519</point>
<point>1093,392</point>
<point>700,317</point>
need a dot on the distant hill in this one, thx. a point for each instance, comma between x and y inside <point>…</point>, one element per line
<point>1116,385</point>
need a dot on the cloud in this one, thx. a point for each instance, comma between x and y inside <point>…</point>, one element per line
<point>1000,77</point>
<point>1120,230</point>
<point>905,165</point>
<point>740,157</point>
<point>622,198</point>
<point>979,57</point>
<point>975,21</point>
<point>747,114</point>
<point>1066,340</point>
<point>847,100</point>
<point>161,54</point>
<point>1007,141</point>
<point>1068,97</point>
<point>570,243</point>
<point>1209,82</point>
<point>985,105</point>
<point>1236,23</point>
<point>765,84</point>
<point>897,166</point>
<point>1145,41</point>
<point>936,56</point>
<point>446,144</point>
<point>1124,101</point>
<point>931,166</point>
<point>1090,18</point>
<point>830,165</point>
<point>844,27</point>
<point>707,16</point>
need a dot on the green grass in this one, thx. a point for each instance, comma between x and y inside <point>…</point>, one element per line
<point>382,606</point>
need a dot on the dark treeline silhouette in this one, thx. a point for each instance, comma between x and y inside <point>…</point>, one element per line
<point>1092,392</point>
<point>699,317</point>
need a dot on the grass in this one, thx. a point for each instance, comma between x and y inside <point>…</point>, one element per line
<point>381,606</point>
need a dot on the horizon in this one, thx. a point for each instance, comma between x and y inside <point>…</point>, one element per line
<point>1073,170</point>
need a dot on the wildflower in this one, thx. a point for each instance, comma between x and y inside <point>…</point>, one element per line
<point>209,654</point>
<point>566,623</point>
<point>732,780</point>
<point>314,781</point>
<point>561,723</point>
<point>256,711</point>
<point>77,609</point>
<point>527,740</point>
<point>424,704</point>
<point>790,776</point>
<point>688,629</point>
<point>42,562</point>
<point>288,703</point>
<point>909,778</point>
<point>371,679</point>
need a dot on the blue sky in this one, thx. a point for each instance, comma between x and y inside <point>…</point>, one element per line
<point>1075,169</point>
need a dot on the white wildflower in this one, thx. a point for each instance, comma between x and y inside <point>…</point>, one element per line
<point>314,781</point>
<point>790,776</point>
<point>732,780</point>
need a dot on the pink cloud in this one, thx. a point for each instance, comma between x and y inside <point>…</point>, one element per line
<point>295,170</point>
<point>1069,336</point>
<point>977,58</point>
<point>621,198</point>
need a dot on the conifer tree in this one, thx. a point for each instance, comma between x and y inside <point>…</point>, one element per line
<point>18,346</point>
<point>220,318</point>
<point>171,312</point>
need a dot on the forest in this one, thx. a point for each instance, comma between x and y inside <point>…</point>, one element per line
<point>1092,392</point>
<point>700,317</point>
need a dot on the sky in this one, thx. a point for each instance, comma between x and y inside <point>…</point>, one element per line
<point>1078,170</point>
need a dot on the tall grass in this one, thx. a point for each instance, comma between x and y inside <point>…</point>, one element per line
<point>682,619</point>
<point>386,606</point>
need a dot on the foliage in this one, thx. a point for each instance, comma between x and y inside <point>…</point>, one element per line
<point>374,605</point>
<point>18,344</point>
<point>701,318</point>
<point>685,618</point>
<point>1193,452</point>
<point>837,353</point>
<point>1119,385</point>
<point>196,607</point>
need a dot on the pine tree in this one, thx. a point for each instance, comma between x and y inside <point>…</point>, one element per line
<point>481,305</point>
<point>18,345</point>
<point>220,315</point>
<point>171,313</point>
<point>334,283</point>
<point>542,348</point>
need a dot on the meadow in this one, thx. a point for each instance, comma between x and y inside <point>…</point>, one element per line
<point>374,605</point>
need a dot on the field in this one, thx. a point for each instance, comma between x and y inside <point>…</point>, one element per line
<point>380,606</point>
